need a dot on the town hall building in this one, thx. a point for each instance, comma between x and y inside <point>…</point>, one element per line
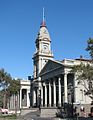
<point>53,85</point>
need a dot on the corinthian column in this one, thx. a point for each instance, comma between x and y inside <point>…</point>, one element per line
<point>41,95</point>
<point>28,100</point>
<point>20,98</point>
<point>54,86</point>
<point>34,97</point>
<point>45,95</point>
<point>59,84</point>
<point>49,94</point>
<point>65,88</point>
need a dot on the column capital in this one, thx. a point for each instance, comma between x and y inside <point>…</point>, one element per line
<point>59,78</point>
<point>65,73</point>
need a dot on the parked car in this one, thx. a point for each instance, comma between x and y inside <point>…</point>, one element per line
<point>4,111</point>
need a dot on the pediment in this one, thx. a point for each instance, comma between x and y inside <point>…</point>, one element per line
<point>50,66</point>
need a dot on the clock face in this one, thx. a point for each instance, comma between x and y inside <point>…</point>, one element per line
<point>45,47</point>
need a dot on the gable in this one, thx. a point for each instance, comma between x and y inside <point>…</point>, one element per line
<point>50,65</point>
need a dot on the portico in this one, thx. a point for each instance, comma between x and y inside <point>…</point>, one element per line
<point>54,84</point>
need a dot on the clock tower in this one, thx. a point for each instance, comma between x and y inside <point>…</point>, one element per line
<point>42,54</point>
<point>43,49</point>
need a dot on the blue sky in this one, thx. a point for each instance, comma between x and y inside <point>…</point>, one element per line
<point>70,24</point>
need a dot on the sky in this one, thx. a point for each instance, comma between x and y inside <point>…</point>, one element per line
<point>69,22</point>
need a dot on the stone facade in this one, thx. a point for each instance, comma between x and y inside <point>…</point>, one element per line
<point>53,83</point>
<point>59,86</point>
<point>53,79</point>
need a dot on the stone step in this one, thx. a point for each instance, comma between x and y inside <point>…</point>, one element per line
<point>26,111</point>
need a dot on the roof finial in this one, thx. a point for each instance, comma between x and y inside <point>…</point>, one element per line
<point>43,14</point>
<point>43,24</point>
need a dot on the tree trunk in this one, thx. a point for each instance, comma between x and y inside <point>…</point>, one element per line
<point>4,101</point>
<point>16,100</point>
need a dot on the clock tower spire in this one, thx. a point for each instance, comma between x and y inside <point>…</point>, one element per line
<point>43,14</point>
<point>43,48</point>
<point>43,24</point>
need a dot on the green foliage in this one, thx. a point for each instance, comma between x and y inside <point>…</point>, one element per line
<point>14,86</point>
<point>8,117</point>
<point>90,47</point>
<point>5,79</point>
<point>8,86</point>
<point>85,72</point>
<point>85,77</point>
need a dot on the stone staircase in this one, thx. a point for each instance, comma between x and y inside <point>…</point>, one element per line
<point>26,111</point>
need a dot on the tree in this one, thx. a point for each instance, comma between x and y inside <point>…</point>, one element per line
<point>8,85</point>
<point>90,47</point>
<point>5,79</point>
<point>14,87</point>
<point>85,71</point>
<point>14,90</point>
<point>1,99</point>
<point>85,77</point>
